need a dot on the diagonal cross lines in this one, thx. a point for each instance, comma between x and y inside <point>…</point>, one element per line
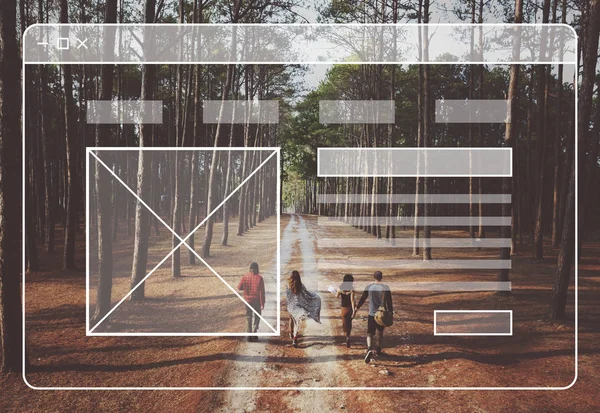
<point>182,240</point>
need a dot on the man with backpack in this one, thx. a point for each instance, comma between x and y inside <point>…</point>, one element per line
<point>380,313</point>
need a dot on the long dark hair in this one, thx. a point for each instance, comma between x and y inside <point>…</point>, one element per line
<point>295,282</point>
<point>348,283</point>
<point>254,268</point>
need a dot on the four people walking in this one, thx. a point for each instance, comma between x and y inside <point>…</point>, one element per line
<point>303,304</point>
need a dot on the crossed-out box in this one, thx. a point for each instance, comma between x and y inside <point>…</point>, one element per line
<point>94,154</point>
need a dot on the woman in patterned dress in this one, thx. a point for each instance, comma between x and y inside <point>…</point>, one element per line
<point>301,304</point>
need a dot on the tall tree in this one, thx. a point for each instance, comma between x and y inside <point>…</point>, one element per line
<point>567,245</point>
<point>210,201</point>
<point>509,138</point>
<point>541,127</point>
<point>471,126</point>
<point>71,137</point>
<point>144,174</point>
<point>418,179</point>
<point>557,134</point>
<point>226,211</point>
<point>588,165</point>
<point>197,125</point>
<point>427,132</point>
<point>103,178</point>
<point>390,231</point>
<point>45,143</point>
<point>480,73</point>
<point>10,193</point>
<point>179,136</point>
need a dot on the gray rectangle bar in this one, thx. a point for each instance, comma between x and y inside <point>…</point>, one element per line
<point>472,111</point>
<point>124,112</point>
<point>373,242</point>
<point>357,111</point>
<point>472,323</point>
<point>422,221</point>
<point>412,199</point>
<point>240,111</point>
<point>451,286</point>
<point>352,264</point>
<point>410,162</point>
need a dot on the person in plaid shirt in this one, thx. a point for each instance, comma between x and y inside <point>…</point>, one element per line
<point>253,286</point>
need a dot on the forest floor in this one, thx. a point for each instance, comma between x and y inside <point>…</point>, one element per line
<point>539,354</point>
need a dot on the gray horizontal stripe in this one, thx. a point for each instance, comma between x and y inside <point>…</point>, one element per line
<point>472,111</point>
<point>240,111</point>
<point>467,323</point>
<point>357,111</point>
<point>412,199</point>
<point>124,112</point>
<point>421,221</point>
<point>466,286</point>
<point>373,242</point>
<point>407,162</point>
<point>348,265</point>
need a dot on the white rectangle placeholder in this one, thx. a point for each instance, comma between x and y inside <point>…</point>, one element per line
<point>240,111</point>
<point>412,162</point>
<point>124,112</point>
<point>472,111</point>
<point>472,323</point>
<point>357,111</point>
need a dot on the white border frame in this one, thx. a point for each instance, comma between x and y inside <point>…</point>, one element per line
<point>435,313</point>
<point>517,388</point>
<point>89,333</point>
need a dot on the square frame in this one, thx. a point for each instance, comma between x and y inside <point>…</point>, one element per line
<point>277,152</point>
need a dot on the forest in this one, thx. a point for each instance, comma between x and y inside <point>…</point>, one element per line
<point>141,203</point>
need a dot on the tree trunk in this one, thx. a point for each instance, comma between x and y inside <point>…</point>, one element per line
<point>33,223</point>
<point>509,141</point>
<point>426,132</point>
<point>179,135</point>
<point>557,151</point>
<point>45,141</point>
<point>144,176</point>
<point>103,179</point>
<point>72,158</point>
<point>208,234</point>
<point>416,249</point>
<point>566,254</point>
<point>481,71</point>
<point>226,205</point>
<point>10,194</point>
<point>471,128</point>
<point>538,235</point>
<point>194,168</point>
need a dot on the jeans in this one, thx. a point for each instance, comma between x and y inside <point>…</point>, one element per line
<point>252,318</point>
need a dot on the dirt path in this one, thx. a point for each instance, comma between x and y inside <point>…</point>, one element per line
<point>322,367</point>
<point>248,367</point>
<point>314,363</point>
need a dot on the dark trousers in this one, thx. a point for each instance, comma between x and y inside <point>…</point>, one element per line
<point>252,318</point>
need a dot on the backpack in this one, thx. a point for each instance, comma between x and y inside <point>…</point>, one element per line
<point>383,317</point>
